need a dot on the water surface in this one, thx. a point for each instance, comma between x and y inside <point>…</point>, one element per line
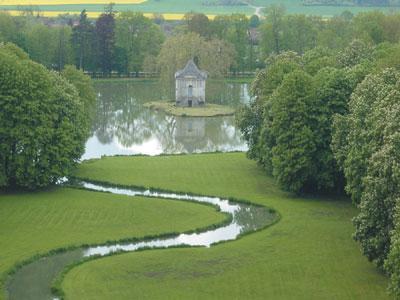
<point>122,126</point>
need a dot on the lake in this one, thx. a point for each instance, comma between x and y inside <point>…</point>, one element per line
<point>122,126</point>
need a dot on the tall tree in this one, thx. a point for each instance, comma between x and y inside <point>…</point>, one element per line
<point>369,159</point>
<point>198,23</point>
<point>82,40</point>
<point>105,34</point>
<point>237,35</point>
<point>136,38</point>
<point>275,14</point>
<point>295,141</point>
<point>63,53</point>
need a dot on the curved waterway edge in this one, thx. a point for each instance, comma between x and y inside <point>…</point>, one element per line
<point>34,280</point>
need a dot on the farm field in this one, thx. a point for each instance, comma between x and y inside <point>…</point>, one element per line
<point>309,254</point>
<point>63,2</point>
<point>173,9</point>
<point>35,223</point>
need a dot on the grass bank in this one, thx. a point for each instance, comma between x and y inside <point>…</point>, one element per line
<point>208,110</point>
<point>35,223</point>
<point>309,254</point>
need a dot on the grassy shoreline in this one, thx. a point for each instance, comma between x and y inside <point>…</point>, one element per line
<point>208,110</point>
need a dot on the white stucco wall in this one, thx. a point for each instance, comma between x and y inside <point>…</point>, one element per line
<point>198,91</point>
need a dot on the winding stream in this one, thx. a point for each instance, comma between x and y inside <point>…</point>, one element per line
<point>34,280</point>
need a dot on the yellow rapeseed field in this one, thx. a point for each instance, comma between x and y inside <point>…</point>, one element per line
<point>62,2</point>
<point>96,14</point>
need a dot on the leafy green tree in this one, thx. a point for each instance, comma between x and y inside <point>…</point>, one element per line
<point>366,143</point>
<point>42,124</point>
<point>215,56</point>
<point>375,222</point>
<point>83,42</point>
<point>219,26</point>
<point>255,119</point>
<point>288,126</point>
<point>8,28</point>
<point>371,160</point>
<point>198,23</point>
<point>273,28</point>
<point>105,26</point>
<point>369,26</point>
<point>136,38</point>
<point>332,88</point>
<point>63,53</point>
<point>335,33</point>
<point>355,53</point>
<point>294,149</point>
<point>387,55</point>
<point>300,33</point>
<point>237,35</point>
<point>84,87</point>
<point>391,25</point>
<point>354,141</point>
<point>318,58</point>
<point>41,44</point>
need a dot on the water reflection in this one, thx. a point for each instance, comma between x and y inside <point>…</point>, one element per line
<point>123,126</point>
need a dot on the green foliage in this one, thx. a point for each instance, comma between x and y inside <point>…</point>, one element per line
<point>11,48</point>
<point>8,28</point>
<point>105,33</point>
<point>213,55</point>
<point>273,29</point>
<point>288,126</point>
<point>83,42</point>
<point>353,134</point>
<point>85,89</point>
<point>318,58</point>
<point>292,154</point>
<point>198,23</point>
<point>355,53</point>
<point>137,37</point>
<point>42,125</point>
<point>250,119</point>
<point>387,55</point>
<point>367,145</point>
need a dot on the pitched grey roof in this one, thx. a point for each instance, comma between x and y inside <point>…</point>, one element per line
<point>191,70</point>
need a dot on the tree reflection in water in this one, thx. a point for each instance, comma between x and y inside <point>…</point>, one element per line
<point>123,126</point>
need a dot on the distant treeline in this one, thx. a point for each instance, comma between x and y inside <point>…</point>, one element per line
<point>129,43</point>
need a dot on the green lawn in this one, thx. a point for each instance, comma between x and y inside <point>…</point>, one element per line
<point>309,254</point>
<point>36,223</point>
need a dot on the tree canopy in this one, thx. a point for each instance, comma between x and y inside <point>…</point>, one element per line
<point>43,126</point>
